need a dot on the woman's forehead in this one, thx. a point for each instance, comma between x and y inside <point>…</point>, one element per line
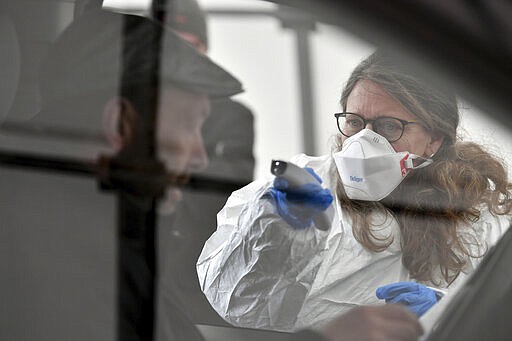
<point>370,100</point>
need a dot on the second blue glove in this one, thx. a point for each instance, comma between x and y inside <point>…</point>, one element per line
<point>417,297</point>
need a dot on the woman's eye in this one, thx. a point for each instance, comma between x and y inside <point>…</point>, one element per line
<point>390,126</point>
<point>354,123</point>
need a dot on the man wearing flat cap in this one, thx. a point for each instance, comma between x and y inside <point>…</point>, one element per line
<point>80,87</point>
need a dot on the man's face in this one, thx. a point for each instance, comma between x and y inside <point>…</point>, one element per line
<point>180,144</point>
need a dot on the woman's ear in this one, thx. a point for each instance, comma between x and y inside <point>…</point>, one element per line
<point>436,140</point>
<point>118,122</point>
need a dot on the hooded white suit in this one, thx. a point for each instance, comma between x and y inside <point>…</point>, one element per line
<point>258,272</point>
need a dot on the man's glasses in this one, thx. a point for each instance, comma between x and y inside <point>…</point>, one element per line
<point>390,127</point>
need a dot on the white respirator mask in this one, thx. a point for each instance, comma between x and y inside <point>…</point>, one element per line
<point>369,167</point>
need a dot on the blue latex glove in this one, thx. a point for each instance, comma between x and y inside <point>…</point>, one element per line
<point>418,298</point>
<point>298,205</point>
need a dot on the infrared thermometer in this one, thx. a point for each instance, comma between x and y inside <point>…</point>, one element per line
<point>297,176</point>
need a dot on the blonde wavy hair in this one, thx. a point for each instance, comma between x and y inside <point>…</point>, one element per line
<point>432,203</point>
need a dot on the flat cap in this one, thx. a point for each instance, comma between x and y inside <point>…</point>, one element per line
<point>86,58</point>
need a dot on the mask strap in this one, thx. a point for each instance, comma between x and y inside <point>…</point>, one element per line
<point>410,165</point>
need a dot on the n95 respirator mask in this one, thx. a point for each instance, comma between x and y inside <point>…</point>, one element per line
<point>369,167</point>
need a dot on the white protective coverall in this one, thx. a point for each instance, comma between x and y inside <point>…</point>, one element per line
<point>259,272</point>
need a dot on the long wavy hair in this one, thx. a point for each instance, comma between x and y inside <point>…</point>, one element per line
<point>434,205</point>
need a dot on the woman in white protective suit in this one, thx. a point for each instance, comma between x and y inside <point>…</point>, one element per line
<point>413,207</point>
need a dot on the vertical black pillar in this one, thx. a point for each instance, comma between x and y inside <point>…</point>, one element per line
<point>137,274</point>
<point>136,267</point>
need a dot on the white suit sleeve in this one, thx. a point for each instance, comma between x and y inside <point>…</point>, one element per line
<point>255,269</point>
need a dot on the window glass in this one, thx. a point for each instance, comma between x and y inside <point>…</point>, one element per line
<point>72,179</point>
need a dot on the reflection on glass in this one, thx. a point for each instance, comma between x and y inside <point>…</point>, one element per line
<point>423,206</point>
